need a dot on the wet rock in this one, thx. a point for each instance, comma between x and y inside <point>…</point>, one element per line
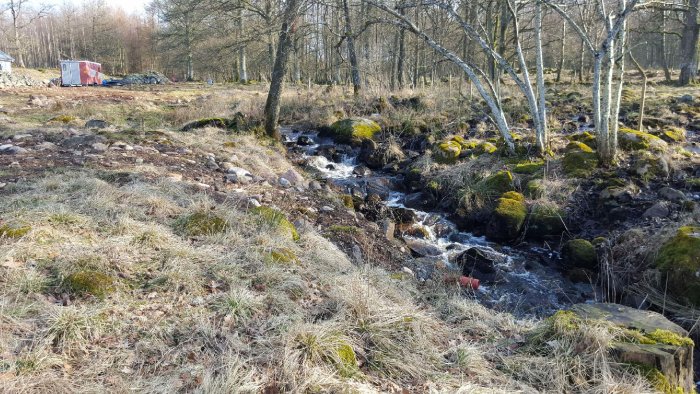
<point>479,263</point>
<point>422,247</point>
<point>672,194</point>
<point>658,210</point>
<point>83,140</point>
<point>9,149</point>
<point>97,124</point>
<point>403,215</point>
<point>508,217</point>
<point>305,140</point>
<point>361,171</point>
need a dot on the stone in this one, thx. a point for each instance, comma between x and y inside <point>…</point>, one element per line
<point>480,264</point>
<point>315,185</point>
<point>82,140</point>
<point>422,247</point>
<point>361,171</point>
<point>388,227</point>
<point>45,146</point>
<point>679,259</point>
<point>305,140</point>
<point>508,218</point>
<point>352,130</point>
<point>663,352</point>
<point>579,253</point>
<point>99,147</point>
<point>686,99</point>
<point>672,194</point>
<point>658,210</point>
<point>96,124</point>
<point>9,149</point>
<point>294,178</point>
<point>238,175</point>
<point>284,182</point>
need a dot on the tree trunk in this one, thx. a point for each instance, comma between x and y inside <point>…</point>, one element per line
<point>562,51</point>
<point>541,108</point>
<point>640,123</point>
<point>284,47</point>
<point>350,41</point>
<point>664,48</point>
<point>689,44</point>
<point>402,54</point>
<point>242,58</point>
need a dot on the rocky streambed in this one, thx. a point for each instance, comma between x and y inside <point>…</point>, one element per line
<point>523,279</point>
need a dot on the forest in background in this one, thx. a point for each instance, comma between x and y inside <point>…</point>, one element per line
<point>236,40</point>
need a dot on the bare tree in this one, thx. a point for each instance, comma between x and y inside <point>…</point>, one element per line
<point>689,45</point>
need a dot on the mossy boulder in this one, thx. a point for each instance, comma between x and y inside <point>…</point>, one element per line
<point>447,152</point>
<point>277,220</point>
<point>201,223</point>
<point>487,147</point>
<point>647,166</point>
<point>8,231</point>
<point>579,164</point>
<point>529,168</point>
<point>89,282</point>
<point>673,134</point>
<point>632,140</point>
<point>496,184</point>
<point>353,130</point>
<point>508,217</point>
<point>586,137</point>
<point>579,253</point>
<point>679,259</point>
<point>578,146</point>
<point>546,221</point>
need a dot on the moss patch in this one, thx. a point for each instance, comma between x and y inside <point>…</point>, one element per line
<point>219,123</point>
<point>201,223</point>
<point>284,256</point>
<point>579,253</point>
<point>276,219</point>
<point>586,138</point>
<point>578,146</point>
<point>679,258</point>
<point>529,167</point>
<point>673,134</point>
<point>497,184</point>
<point>353,130</point>
<point>447,152</point>
<point>90,282</point>
<point>508,217</point>
<point>579,164</point>
<point>631,140</point>
<point>7,231</point>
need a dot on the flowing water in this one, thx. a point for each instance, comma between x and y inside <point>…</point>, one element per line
<point>524,280</point>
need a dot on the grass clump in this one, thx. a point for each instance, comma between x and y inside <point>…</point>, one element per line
<point>348,201</point>
<point>679,258</point>
<point>276,219</point>
<point>201,223</point>
<point>284,256</point>
<point>90,282</point>
<point>546,220</point>
<point>238,305</point>
<point>7,231</point>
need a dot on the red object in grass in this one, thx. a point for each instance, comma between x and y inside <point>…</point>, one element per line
<point>469,282</point>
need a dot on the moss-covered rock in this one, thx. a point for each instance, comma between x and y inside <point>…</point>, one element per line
<point>632,140</point>
<point>578,146</point>
<point>220,123</point>
<point>679,258</point>
<point>579,253</point>
<point>586,138</point>
<point>648,166</point>
<point>353,130</point>
<point>200,223</point>
<point>93,283</point>
<point>534,189</point>
<point>496,184</point>
<point>579,164</point>
<point>673,134</point>
<point>545,221</point>
<point>487,147</point>
<point>276,219</point>
<point>447,152</point>
<point>8,231</point>
<point>529,167</point>
<point>508,217</point>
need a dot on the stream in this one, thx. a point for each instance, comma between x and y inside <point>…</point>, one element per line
<point>524,280</point>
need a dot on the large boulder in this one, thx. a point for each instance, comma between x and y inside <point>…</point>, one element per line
<point>508,217</point>
<point>447,152</point>
<point>353,130</point>
<point>632,140</point>
<point>657,348</point>
<point>579,253</point>
<point>679,259</point>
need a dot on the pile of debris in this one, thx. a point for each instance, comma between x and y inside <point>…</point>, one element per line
<point>147,78</point>
<point>15,81</point>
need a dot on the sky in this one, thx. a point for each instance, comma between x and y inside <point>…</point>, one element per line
<point>128,5</point>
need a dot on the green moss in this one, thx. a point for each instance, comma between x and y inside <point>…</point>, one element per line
<point>508,217</point>
<point>679,258</point>
<point>7,231</point>
<point>276,219</point>
<point>284,256</point>
<point>585,137</point>
<point>529,167</point>
<point>534,189</point>
<point>656,378</point>
<point>200,223</point>
<point>347,361</point>
<point>498,183</point>
<point>673,134</point>
<point>348,201</point>
<point>630,140</point>
<point>514,196</point>
<point>578,146</point>
<point>354,130</point>
<point>579,164</point>
<point>487,147</point>
<point>580,253</point>
<point>546,220</point>
<point>693,184</point>
<point>63,119</point>
<point>220,123</point>
<point>447,152</point>
<point>90,282</point>
<point>669,338</point>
